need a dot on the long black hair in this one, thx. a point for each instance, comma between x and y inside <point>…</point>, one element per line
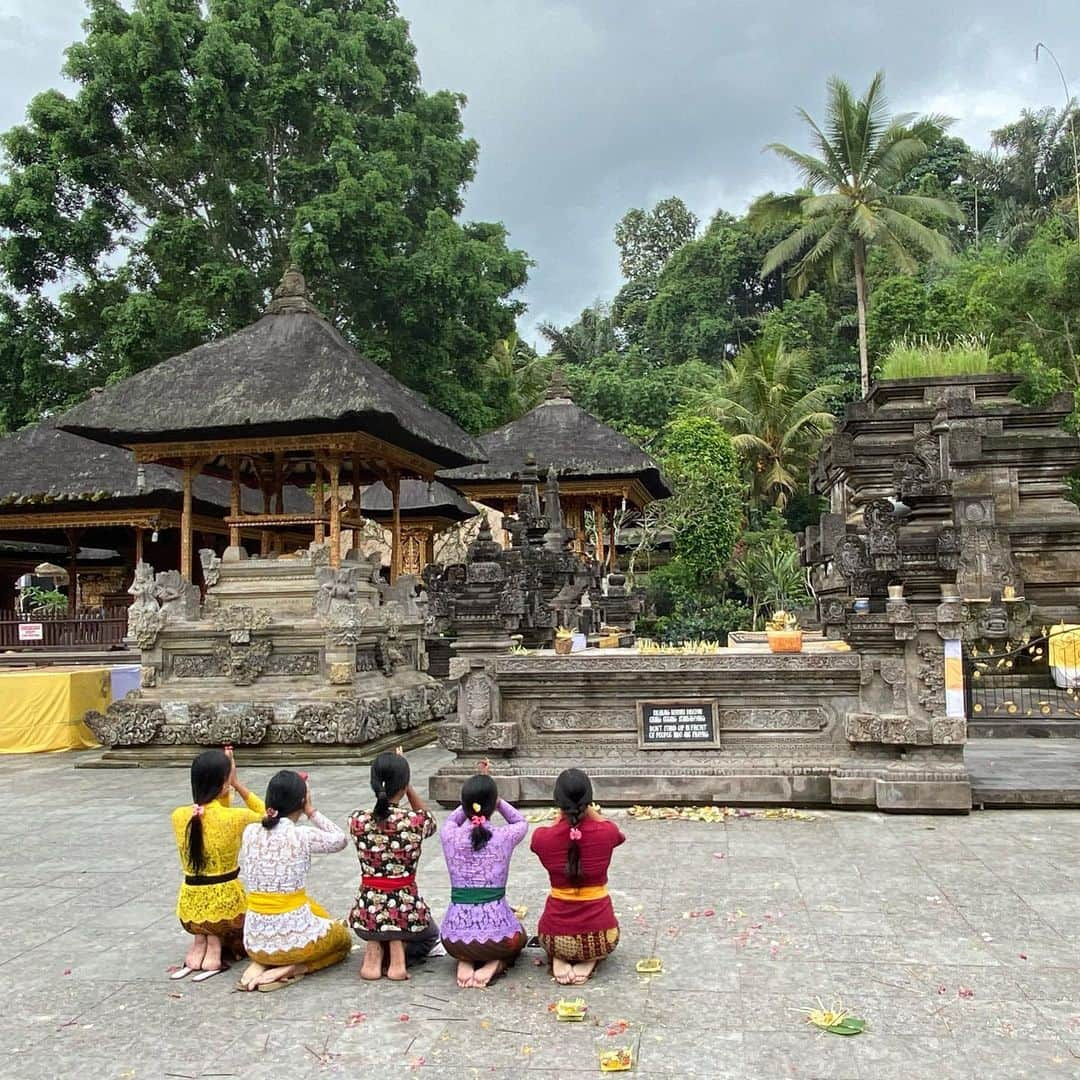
<point>285,794</point>
<point>389,776</point>
<point>479,797</point>
<point>573,795</point>
<point>209,771</point>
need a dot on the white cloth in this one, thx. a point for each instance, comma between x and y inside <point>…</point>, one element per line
<point>277,860</point>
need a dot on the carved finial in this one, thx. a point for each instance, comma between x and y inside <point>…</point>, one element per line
<point>291,295</point>
<point>558,388</point>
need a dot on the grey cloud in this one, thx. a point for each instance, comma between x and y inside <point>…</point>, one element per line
<point>583,108</point>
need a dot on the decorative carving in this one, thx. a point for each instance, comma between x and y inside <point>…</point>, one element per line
<point>476,700</point>
<point>366,660</point>
<point>440,702</point>
<point>375,718</point>
<point>211,566</point>
<point>932,677</point>
<point>281,663</point>
<point>599,719</point>
<point>340,674</point>
<point>985,563</point>
<point>126,723</point>
<point>319,723</point>
<point>244,663</point>
<point>144,618</point>
<point>881,527</point>
<point>243,726</point>
<point>179,599</point>
<point>898,730</point>
<point>337,588</point>
<point>919,474</point>
<point>239,620</point>
<point>197,665</point>
<point>408,709</point>
<point>784,719</point>
<point>948,730</point>
<point>862,727</point>
<point>852,561</point>
<point>147,676</point>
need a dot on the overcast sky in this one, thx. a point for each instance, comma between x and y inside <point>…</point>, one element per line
<point>584,108</point>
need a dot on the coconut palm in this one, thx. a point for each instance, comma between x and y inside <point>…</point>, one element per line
<point>853,202</point>
<point>776,412</point>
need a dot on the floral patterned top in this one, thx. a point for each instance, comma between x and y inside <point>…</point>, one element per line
<point>389,849</point>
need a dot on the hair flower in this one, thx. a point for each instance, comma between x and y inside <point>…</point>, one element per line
<point>303,776</point>
<point>478,819</point>
<point>271,812</point>
<point>196,810</point>
<point>575,834</point>
<point>476,808</point>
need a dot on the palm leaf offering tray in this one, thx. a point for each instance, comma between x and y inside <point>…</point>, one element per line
<point>650,965</point>
<point>572,1009</point>
<point>620,1060</point>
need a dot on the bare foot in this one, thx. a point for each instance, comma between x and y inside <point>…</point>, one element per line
<point>582,972</point>
<point>194,958</point>
<point>396,969</point>
<point>251,973</point>
<point>211,960</point>
<point>371,968</point>
<point>464,974</point>
<point>272,975</point>
<point>563,972</point>
<point>483,975</point>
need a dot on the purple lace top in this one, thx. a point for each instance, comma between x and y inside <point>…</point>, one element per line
<point>486,868</point>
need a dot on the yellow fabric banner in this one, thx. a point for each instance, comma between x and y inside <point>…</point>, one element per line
<point>42,710</point>
<point>1065,646</point>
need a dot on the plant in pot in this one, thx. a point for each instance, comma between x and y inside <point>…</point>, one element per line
<point>564,641</point>
<point>783,633</point>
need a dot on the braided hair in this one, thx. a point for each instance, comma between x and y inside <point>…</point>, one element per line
<point>573,796</point>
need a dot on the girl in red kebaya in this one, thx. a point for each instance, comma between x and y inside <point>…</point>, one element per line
<point>578,927</point>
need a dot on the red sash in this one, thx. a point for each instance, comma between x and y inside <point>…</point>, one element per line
<point>388,884</point>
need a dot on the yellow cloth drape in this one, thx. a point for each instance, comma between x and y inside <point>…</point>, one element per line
<point>1065,645</point>
<point>275,903</point>
<point>43,709</point>
<point>583,892</point>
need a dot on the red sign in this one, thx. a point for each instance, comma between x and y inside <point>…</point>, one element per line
<point>31,631</point>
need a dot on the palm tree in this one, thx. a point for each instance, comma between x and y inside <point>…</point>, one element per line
<point>776,413</point>
<point>853,203</point>
<point>523,375</point>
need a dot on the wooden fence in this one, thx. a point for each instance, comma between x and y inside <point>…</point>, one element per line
<point>91,630</point>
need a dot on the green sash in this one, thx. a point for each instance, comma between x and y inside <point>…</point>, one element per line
<point>477,895</point>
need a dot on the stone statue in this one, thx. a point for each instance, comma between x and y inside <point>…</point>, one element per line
<point>211,566</point>
<point>145,617</point>
<point>179,598</point>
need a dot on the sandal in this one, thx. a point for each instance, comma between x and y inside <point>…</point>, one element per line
<point>277,984</point>
<point>181,972</point>
<point>210,973</point>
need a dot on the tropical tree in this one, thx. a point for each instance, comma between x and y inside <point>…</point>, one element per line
<point>776,412</point>
<point>517,375</point>
<point>853,202</point>
<point>206,146</point>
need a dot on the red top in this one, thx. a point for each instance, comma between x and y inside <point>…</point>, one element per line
<point>598,840</point>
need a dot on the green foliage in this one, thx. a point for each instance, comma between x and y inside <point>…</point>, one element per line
<point>38,599</point>
<point>927,359</point>
<point>1041,381</point>
<point>206,147</point>
<point>776,413</point>
<point>766,567</point>
<point>855,202</point>
<point>706,509</point>
<point>647,239</point>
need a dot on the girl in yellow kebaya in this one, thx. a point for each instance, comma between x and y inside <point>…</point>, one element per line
<point>208,831</point>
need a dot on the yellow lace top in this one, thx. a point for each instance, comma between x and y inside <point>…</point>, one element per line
<point>223,829</point>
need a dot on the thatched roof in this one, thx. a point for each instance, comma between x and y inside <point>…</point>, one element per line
<point>289,373</point>
<point>43,465</point>
<point>418,500</point>
<point>558,432</point>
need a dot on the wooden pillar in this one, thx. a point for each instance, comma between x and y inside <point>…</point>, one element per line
<point>279,482</point>
<point>612,553</point>
<point>138,544</point>
<point>320,505</point>
<point>598,524</point>
<point>73,569</point>
<point>187,476</point>
<point>395,527</point>
<point>334,469</point>
<point>234,501</point>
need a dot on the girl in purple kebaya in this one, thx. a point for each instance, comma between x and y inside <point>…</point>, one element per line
<point>480,930</point>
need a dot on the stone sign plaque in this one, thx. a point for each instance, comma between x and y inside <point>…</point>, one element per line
<point>677,724</point>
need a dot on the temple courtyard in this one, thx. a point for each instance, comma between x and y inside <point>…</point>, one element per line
<point>954,937</point>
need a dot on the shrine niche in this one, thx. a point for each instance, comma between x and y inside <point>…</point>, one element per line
<point>300,643</point>
<point>601,472</point>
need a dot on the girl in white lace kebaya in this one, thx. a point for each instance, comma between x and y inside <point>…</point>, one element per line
<point>286,934</point>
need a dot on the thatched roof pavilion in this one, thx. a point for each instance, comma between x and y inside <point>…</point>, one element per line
<point>284,401</point>
<point>599,469</point>
<point>426,511</point>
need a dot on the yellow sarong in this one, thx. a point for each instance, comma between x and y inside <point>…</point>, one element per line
<point>271,903</point>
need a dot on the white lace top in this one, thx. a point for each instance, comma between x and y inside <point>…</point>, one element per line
<point>277,861</point>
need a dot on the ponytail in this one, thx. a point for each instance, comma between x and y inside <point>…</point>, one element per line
<point>209,773</point>
<point>573,796</point>
<point>479,797</point>
<point>285,794</point>
<point>389,778</point>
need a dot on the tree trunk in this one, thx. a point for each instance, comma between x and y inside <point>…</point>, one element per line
<point>860,299</point>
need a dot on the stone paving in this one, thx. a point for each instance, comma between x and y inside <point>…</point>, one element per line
<point>956,938</point>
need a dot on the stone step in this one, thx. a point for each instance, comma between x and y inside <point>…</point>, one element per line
<point>282,755</point>
<point>1024,728</point>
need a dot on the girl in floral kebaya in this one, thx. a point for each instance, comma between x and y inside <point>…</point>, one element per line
<point>389,915</point>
